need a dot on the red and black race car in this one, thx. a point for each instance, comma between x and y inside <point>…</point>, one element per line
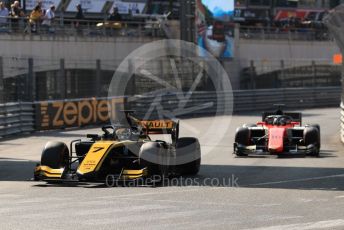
<point>279,133</point>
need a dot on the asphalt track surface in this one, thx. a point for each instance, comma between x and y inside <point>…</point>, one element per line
<point>260,192</point>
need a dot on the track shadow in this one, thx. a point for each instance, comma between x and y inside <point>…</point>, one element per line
<point>16,169</point>
<point>272,177</point>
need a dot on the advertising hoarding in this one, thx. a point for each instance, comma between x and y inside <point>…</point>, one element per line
<point>30,4</point>
<point>97,6</point>
<point>76,113</point>
<point>215,30</point>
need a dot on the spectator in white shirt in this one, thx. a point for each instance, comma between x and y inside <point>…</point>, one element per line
<point>49,17</point>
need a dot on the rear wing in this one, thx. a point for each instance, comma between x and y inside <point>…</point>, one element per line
<point>154,126</point>
<point>297,117</point>
<point>158,126</point>
<point>161,127</point>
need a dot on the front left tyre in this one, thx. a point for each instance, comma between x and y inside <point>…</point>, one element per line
<point>55,155</point>
<point>242,138</point>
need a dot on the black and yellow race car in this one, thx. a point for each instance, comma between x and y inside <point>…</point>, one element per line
<point>124,152</point>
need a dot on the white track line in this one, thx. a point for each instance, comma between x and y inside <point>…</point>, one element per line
<point>329,224</point>
<point>298,180</point>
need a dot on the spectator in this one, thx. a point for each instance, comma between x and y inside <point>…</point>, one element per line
<point>48,18</point>
<point>79,16</point>
<point>40,4</point>
<point>36,18</point>
<point>16,13</point>
<point>4,12</point>
<point>115,16</point>
<point>16,10</point>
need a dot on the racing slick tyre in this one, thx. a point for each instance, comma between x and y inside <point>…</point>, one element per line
<point>311,136</point>
<point>242,137</point>
<point>188,146</point>
<point>153,155</point>
<point>318,127</point>
<point>55,155</point>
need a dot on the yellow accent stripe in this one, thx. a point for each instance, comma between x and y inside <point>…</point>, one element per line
<point>133,174</point>
<point>49,172</point>
<point>97,154</point>
<point>42,173</point>
<point>115,145</point>
<point>94,156</point>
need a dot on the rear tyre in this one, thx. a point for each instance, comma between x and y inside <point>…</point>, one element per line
<point>311,136</point>
<point>55,155</point>
<point>191,148</point>
<point>242,137</point>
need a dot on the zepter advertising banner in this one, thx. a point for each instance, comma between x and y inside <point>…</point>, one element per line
<point>98,6</point>
<point>76,113</point>
<point>215,29</point>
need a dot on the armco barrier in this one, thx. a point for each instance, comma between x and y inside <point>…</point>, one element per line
<point>23,117</point>
<point>16,118</point>
<point>342,122</point>
<point>244,101</point>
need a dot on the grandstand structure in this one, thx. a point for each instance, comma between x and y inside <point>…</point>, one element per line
<point>69,61</point>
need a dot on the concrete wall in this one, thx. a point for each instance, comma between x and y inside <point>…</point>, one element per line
<point>267,54</point>
<point>69,47</point>
<point>82,53</point>
<point>78,53</point>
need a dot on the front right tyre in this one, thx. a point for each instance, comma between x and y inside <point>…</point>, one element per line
<point>311,137</point>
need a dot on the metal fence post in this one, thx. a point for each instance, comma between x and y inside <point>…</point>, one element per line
<point>314,74</point>
<point>188,17</point>
<point>342,78</point>
<point>31,82</point>
<point>2,93</point>
<point>252,75</point>
<point>132,82</point>
<point>276,85</point>
<point>97,89</point>
<point>62,79</point>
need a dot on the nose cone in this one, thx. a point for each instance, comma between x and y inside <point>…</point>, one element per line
<point>276,138</point>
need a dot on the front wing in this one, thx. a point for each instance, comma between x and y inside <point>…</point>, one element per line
<point>45,173</point>
<point>262,150</point>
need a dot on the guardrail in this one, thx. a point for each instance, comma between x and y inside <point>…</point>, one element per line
<point>16,118</point>
<point>152,27</point>
<point>77,27</point>
<point>278,33</point>
<point>244,100</point>
<point>342,122</point>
